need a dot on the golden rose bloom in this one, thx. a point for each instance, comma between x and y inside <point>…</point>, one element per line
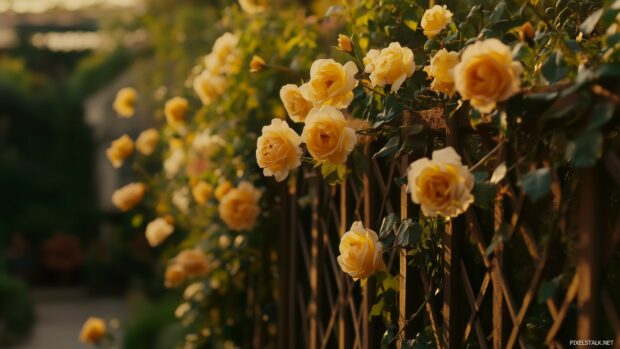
<point>257,64</point>
<point>147,141</point>
<point>223,189</point>
<point>226,57</point>
<point>128,196</point>
<point>193,261</point>
<point>119,150</point>
<point>174,275</point>
<point>278,150</point>
<point>295,104</point>
<point>345,44</point>
<point>253,7</point>
<point>175,110</point>
<point>389,66</point>
<point>435,20</point>
<point>327,136</point>
<point>331,83</point>
<point>209,86</point>
<point>202,192</point>
<point>157,231</point>
<point>441,185</point>
<point>93,330</point>
<point>526,32</point>
<point>361,252</point>
<point>487,74</point>
<point>441,70</point>
<point>239,207</point>
<point>125,102</point>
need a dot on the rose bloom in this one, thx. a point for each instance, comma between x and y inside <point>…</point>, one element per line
<point>125,102</point>
<point>389,66</point>
<point>173,163</point>
<point>193,261</point>
<point>253,7</point>
<point>127,197</point>
<point>119,150</point>
<point>487,74</point>
<point>157,231</point>
<point>239,207</point>
<point>93,330</point>
<point>295,104</point>
<point>174,275</point>
<point>223,189</point>
<point>147,141</point>
<point>327,136</point>
<point>344,42</point>
<point>435,20</point>
<point>225,58</point>
<point>360,252</point>
<point>202,192</point>
<point>175,110</point>
<point>441,70</point>
<point>278,150</point>
<point>441,185</point>
<point>209,86</point>
<point>330,84</point>
<point>257,64</point>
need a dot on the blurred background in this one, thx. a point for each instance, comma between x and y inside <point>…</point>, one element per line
<point>66,254</point>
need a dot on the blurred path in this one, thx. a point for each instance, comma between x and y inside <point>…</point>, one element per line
<point>61,313</point>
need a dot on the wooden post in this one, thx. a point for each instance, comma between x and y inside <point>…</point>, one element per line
<point>316,249</point>
<point>342,323</point>
<point>369,287</point>
<point>402,253</point>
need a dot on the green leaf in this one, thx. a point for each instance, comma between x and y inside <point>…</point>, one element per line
<point>388,224</point>
<point>484,194</point>
<point>499,236</point>
<point>389,148</point>
<point>590,23</point>
<point>391,109</point>
<point>498,174</point>
<point>496,15</point>
<point>584,150</point>
<point>547,290</point>
<point>409,233</point>
<point>600,114</point>
<point>554,68</point>
<point>388,337</point>
<point>377,308</point>
<point>536,184</point>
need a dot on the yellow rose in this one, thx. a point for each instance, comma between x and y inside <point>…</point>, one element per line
<point>193,261</point>
<point>147,141</point>
<point>253,7</point>
<point>441,185</point>
<point>239,207</point>
<point>128,196</point>
<point>93,330</point>
<point>225,58</point>
<point>209,86</point>
<point>389,66</point>
<point>174,275</point>
<point>119,150</point>
<point>487,74</point>
<point>295,104</point>
<point>175,110</point>
<point>361,252</point>
<point>257,64</point>
<point>331,83</point>
<point>157,231</point>
<point>223,189</point>
<point>441,70</point>
<point>345,44</point>
<point>435,20</point>
<point>125,102</point>
<point>278,150</point>
<point>327,136</point>
<point>202,192</point>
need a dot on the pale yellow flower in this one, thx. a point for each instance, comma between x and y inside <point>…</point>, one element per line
<point>202,192</point>
<point>330,84</point>
<point>257,64</point>
<point>361,252</point>
<point>125,102</point>
<point>119,150</point>
<point>487,74</point>
<point>435,20</point>
<point>295,104</point>
<point>278,150</point>
<point>93,330</point>
<point>127,197</point>
<point>209,87</point>
<point>157,231</point>
<point>344,42</point>
<point>441,185</point>
<point>226,57</point>
<point>253,7</point>
<point>389,66</point>
<point>147,141</point>
<point>174,275</point>
<point>193,261</point>
<point>327,136</point>
<point>223,189</point>
<point>239,207</point>
<point>175,110</point>
<point>441,70</point>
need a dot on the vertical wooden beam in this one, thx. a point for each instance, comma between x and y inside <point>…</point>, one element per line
<point>342,324</point>
<point>588,264</point>
<point>368,289</point>
<point>497,263</point>
<point>292,276</point>
<point>402,253</point>
<point>315,262</point>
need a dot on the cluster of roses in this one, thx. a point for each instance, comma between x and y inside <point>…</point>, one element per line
<point>483,74</point>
